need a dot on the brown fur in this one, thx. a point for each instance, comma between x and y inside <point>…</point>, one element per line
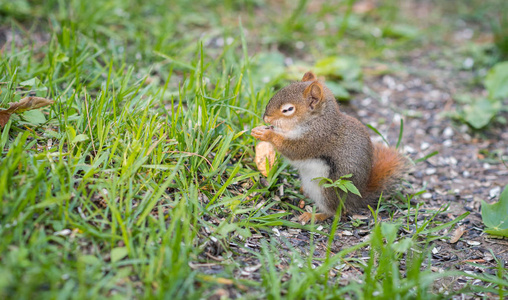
<point>388,166</point>
<point>317,135</point>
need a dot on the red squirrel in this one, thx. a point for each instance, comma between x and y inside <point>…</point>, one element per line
<point>308,128</point>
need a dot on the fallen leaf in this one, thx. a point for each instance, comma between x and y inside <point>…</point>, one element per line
<point>264,151</point>
<point>27,103</point>
<point>4,118</point>
<point>457,234</point>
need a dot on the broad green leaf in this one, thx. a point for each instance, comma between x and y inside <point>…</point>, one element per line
<point>71,133</point>
<point>118,253</point>
<point>226,228</point>
<point>403,245</point>
<point>338,90</point>
<point>352,188</point>
<point>61,57</point>
<point>80,138</point>
<point>34,117</point>
<point>345,68</point>
<point>270,65</point>
<point>479,113</point>
<point>30,82</point>
<point>89,259</point>
<point>503,232</point>
<point>389,231</point>
<point>495,216</point>
<point>496,81</point>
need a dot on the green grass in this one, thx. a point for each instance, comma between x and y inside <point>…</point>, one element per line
<point>145,160</point>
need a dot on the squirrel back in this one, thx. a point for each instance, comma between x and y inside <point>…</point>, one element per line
<point>308,128</point>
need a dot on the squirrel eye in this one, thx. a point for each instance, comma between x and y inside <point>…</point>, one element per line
<point>287,109</point>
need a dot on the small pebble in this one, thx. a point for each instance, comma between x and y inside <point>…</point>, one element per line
<point>448,132</point>
<point>409,149</point>
<point>488,257</point>
<point>468,63</point>
<point>493,193</point>
<point>366,101</point>
<point>276,231</point>
<point>424,146</point>
<point>430,171</point>
<point>63,232</point>
<point>427,196</point>
<point>447,143</point>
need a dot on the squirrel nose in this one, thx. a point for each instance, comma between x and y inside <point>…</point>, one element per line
<point>266,119</point>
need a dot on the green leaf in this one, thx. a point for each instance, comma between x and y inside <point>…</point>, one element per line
<point>496,81</point>
<point>30,82</point>
<point>89,259</point>
<point>345,68</point>
<point>479,113</point>
<point>338,90</point>
<point>352,188</point>
<point>495,216</point>
<point>503,232</point>
<point>61,57</point>
<point>80,138</point>
<point>401,31</point>
<point>389,231</point>
<point>225,228</point>
<point>34,117</point>
<point>403,245</point>
<point>270,65</point>
<point>118,253</point>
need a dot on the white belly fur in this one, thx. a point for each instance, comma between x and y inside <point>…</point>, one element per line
<point>310,169</point>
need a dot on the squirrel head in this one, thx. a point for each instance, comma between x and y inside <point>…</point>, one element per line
<point>297,103</point>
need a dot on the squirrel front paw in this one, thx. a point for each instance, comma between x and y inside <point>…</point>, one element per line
<point>262,133</point>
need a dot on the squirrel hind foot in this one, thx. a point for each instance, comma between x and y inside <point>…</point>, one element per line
<point>306,217</point>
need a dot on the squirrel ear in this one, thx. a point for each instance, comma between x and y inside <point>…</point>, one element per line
<point>314,92</point>
<point>309,76</point>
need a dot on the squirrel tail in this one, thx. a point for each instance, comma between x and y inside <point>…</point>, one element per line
<point>387,169</point>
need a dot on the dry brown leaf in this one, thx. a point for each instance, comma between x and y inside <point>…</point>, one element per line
<point>4,118</point>
<point>27,103</point>
<point>264,150</point>
<point>457,234</point>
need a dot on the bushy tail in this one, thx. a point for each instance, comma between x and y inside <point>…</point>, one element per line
<point>387,169</point>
